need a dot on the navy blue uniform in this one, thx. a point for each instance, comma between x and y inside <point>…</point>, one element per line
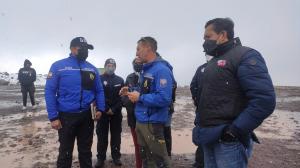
<point>112,85</point>
<point>27,77</point>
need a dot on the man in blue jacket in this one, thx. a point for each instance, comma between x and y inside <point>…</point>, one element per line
<point>237,95</point>
<point>153,99</point>
<point>72,85</point>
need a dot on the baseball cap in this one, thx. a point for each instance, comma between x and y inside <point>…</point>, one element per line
<point>80,42</point>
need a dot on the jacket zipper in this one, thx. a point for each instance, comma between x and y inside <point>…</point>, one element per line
<point>81,91</point>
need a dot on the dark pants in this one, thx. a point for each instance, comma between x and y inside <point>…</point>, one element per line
<point>80,126</point>
<point>199,159</point>
<point>168,138</point>
<point>114,123</point>
<point>25,90</point>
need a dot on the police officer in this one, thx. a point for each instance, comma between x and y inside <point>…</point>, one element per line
<point>237,95</point>
<point>196,88</point>
<point>72,85</point>
<point>26,77</point>
<point>112,118</point>
<point>132,82</point>
<point>152,104</point>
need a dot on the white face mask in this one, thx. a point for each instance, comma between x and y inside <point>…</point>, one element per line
<point>208,57</point>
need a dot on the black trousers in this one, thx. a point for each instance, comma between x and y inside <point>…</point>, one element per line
<point>114,124</point>
<point>80,126</point>
<point>168,139</point>
<point>25,90</point>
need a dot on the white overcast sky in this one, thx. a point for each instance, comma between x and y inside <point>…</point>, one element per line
<point>41,30</point>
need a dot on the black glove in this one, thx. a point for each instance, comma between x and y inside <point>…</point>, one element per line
<point>229,134</point>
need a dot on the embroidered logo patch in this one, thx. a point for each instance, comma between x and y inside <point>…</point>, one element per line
<point>146,83</point>
<point>163,82</point>
<point>252,62</point>
<point>221,63</point>
<point>92,77</point>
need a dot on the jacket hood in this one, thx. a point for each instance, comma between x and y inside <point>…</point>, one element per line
<point>27,62</point>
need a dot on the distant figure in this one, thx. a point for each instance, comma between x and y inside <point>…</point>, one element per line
<point>26,77</point>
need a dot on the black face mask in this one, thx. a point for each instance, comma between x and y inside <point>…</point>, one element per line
<point>137,67</point>
<point>82,54</point>
<point>210,47</point>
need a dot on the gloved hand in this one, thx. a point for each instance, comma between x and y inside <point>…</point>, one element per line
<point>229,134</point>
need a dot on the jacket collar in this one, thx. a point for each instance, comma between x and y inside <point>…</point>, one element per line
<point>150,64</point>
<point>224,48</point>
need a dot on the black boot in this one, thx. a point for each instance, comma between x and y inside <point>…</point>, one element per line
<point>99,164</point>
<point>117,162</point>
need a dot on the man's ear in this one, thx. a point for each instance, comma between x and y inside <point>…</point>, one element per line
<point>224,37</point>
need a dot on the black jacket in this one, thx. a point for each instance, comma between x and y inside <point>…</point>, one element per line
<point>112,85</point>
<point>237,89</point>
<point>196,84</point>
<point>131,82</point>
<point>196,88</point>
<point>26,76</point>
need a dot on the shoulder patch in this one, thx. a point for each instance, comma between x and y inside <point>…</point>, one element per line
<point>252,62</point>
<point>163,82</point>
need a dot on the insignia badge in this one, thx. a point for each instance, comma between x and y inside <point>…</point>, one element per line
<point>145,83</point>
<point>252,62</point>
<point>163,82</point>
<point>92,77</point>
<point>221,63</point>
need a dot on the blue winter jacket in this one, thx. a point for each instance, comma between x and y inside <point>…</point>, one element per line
<point>156,83</point>
<point>257,85</point>
<point>71,87</point>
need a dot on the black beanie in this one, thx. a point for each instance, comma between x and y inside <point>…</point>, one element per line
<point>110,61</point>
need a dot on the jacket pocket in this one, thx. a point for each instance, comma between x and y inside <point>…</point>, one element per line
<point>88,80</point>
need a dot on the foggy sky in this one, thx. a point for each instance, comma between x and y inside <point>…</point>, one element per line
<point>41,30</point>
